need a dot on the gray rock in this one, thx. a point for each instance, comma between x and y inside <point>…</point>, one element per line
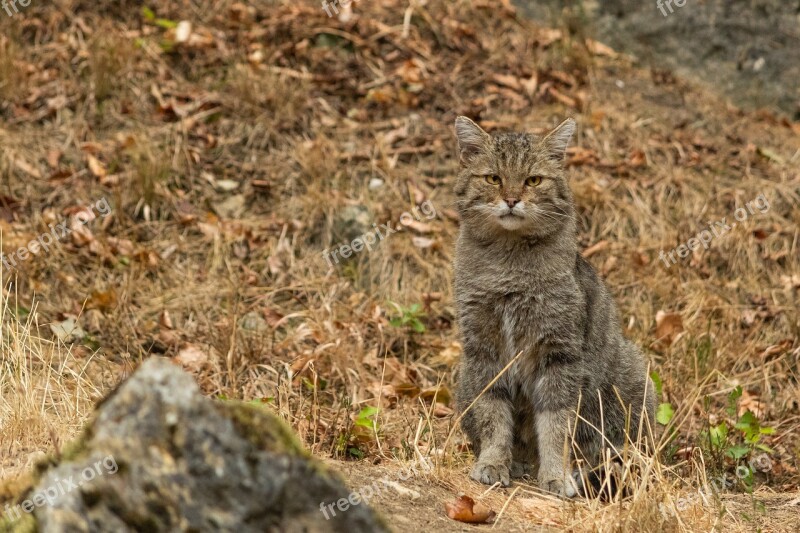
<point>162,457</point>
<point>351,222</point>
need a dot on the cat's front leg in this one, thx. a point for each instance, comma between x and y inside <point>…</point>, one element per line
<point>555,396</point>
<point>487,420</point>
<point>492,420</point>
<point>555,472</point>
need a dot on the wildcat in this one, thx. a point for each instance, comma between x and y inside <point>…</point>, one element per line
<point>521,285</point>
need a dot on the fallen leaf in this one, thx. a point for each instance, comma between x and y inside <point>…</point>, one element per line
<point>53,158</point>
<point>102,300</point>
<point>547,36</point>
<point>563,98</point>
<point>464,509</point>
<point>440,394</point>
<point>750,402</point>
<point>449,355</point>
<point>599,49</point>
<point>165,321</point>
<point>192,358</point>
<point>637,159</point>
<point>68,330</point>
<point>96,167</point>
<point>512,82</point>
<point>440,410</point>
<point>668,326</point>
<point>791,282</point>
<point>424,242</point>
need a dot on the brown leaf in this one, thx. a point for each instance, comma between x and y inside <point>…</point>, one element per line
<point>439,394</point>
<point>192,358</point>
<point>26,167</point>
<point>411,71</point>
<point>637,159</point>
<point>165,321</point>
<point>563,98</point>
<point>668,326</point>
<point>53,158</point>
<point>120,246</point>
<point>512,82</point>
<point>581,156</point>
<point>547,36</point>
<point>102,300</point>
<point>96,167</point>
<point>440,410</point>
<point>777,349</point>
<point>751,402</point>
<point>599,49</point>
<point>424,242</point>
<point>640,258</point>
<point>531,84</point>
<point>464,509</point>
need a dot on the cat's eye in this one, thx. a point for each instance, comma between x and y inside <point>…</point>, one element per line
<point>533,181</point>
<point>492,179</point>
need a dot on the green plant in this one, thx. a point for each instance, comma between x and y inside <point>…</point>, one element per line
<point>366,418</point>
<point>736,443</point>
<point>664,412</point>
<point>408,318</point>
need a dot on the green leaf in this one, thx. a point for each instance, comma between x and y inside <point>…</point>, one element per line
<point>367,412</point>
<point>718,435</point>
<point>355,452</point>
<point>166,24</point>
<point>148,13</point>
<point>365,417</point>
<point>657,382</point>
<point>733,398</point>
<point>737,452</point>
<point>749,426</point>
<point>417,326</point>
<point>764,448</point>
<point>664,413</point>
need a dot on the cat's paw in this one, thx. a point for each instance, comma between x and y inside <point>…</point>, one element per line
<point>566,487</point>
<point>519,470</point>
<point>490,474</point>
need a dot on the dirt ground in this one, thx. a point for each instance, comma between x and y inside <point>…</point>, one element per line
<point>419,503</point>
<point>238,144</point>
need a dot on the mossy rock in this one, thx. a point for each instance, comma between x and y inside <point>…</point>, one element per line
<point>159,456</point>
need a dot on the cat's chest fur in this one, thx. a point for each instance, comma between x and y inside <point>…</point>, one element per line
<point>514,301</point>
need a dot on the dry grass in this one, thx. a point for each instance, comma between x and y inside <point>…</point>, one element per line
<point>232,162</point>
<point>47,390</point>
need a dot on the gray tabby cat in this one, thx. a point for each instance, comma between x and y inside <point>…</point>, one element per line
<point>522,286</point>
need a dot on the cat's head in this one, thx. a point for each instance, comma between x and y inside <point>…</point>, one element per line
<point>513,183</point>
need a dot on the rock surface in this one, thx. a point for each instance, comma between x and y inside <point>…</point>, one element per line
<point>166,458</point>
<point>747,49</point>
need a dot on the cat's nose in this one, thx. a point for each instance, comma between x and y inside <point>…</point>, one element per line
<point>512,202</point>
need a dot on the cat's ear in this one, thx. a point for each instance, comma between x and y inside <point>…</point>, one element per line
<point>556,142</point>
<point>472,139</point>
